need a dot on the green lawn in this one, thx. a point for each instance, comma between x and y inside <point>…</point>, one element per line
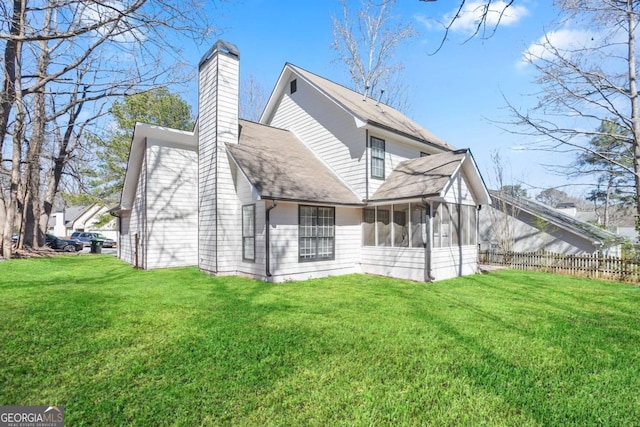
<point>118,346</point>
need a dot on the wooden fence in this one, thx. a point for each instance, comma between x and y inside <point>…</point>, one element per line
<point>594,266</point>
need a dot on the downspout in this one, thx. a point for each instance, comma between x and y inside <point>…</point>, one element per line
<point>366,164</point>
<point>267,243</point>
<point>428,276</point>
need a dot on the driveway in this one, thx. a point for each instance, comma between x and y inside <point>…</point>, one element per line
<point>107,251</point>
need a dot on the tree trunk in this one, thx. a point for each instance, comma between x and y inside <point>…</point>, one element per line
<point>635,112</point>
<point>13,54</point>
<point>8,87</point>
<point>31,218</point>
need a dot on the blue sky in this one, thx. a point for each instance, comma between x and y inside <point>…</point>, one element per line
<point>456,93</point>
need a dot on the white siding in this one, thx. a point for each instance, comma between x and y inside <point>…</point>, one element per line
<point>454,261</point>
<point>395,152</point>
<point>459,192</point>
<point>171,232</point>
<point>328,130</point>
<point>401,263</point>
<point>207,157</point>
<point>284,245</point>
<point>528,233</point>
<point>247,196</point>
<point>133,223</point>
<point>409,263</point>
<point>218,205</point>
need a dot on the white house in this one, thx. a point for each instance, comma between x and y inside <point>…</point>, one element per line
<point>529,226</point>
<point>328,182</point>
<point>81,218</point>
<point>158,211</point>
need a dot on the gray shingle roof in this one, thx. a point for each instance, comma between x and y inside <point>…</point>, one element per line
<point>574,225</point>
<point>424,176</point>
<point>279,166</point>
<point>377,115</point>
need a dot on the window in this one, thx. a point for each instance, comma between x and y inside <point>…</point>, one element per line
<point>316,233</point>
<point>377,157</point>
<point>293,86</point>
<point>249,233</point>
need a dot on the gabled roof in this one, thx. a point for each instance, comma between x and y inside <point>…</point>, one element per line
<point>431,176</point>
<point>141,133</point>
<point>365,112</point>
<point>74,212</point>
<point>279,166</point>
<point>580,228</point>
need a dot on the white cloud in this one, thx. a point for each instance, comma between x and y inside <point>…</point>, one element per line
<point>560,40</point>
<point>498,13</point>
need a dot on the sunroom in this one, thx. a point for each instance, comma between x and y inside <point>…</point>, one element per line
<point>421,223</point>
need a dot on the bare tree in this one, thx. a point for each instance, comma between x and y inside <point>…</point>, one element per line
<point>488,15</point>
<point>252,99</point>
<point>502,232</point>
<point>64,63</point>
<point>366,44</point>
<point>587,82</point>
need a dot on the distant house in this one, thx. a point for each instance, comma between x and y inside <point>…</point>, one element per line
<point>523,225</point>
<point>328,182</point>
<point>81,218</point>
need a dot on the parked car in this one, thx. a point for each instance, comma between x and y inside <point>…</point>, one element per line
<point>87,236</point>
<point>65,245</point>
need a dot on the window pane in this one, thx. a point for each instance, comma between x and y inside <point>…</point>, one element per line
<point>418,226</point>
<point>307,248</point>
<point>307,221</point>
<point>400,225</point>
<point>383,226</point>
<point>377,168</point>
<point>248,232</point>
<point>248,245</point>
<point>377,157</point>
<point>368,227</point>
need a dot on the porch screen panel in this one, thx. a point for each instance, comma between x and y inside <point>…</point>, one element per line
<point>455,224</point>
<point>368,227</point>
<point>418,226</point>
<point>401,225</point>
<point>383,226</point>
<point>472,225</point>
<point>437,228</point>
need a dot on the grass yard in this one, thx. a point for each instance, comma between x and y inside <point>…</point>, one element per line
<point>118,346</point>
